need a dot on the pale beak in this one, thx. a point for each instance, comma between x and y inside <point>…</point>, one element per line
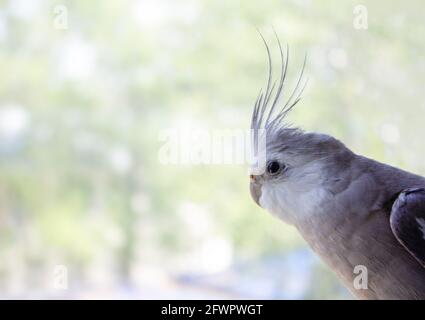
<point>255,188</point>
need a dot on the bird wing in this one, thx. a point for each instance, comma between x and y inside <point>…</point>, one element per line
<point>407,221</point>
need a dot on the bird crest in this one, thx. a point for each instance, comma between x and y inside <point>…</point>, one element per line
<point>269,114</point>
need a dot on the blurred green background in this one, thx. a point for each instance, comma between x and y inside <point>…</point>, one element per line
<point>86,208</point>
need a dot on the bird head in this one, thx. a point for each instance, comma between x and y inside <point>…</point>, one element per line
<point>298,170</point>
<point>298,165</point>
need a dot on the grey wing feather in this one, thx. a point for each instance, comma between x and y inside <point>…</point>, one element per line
<point>408,221</point>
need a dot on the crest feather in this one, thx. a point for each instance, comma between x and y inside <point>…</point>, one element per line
<point>266,115</point>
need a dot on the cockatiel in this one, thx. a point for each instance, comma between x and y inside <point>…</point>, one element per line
<point>351,210</point>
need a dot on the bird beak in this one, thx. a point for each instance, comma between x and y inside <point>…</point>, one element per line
<point>255,188</point>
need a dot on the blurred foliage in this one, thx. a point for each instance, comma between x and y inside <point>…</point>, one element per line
<point>81,110</point>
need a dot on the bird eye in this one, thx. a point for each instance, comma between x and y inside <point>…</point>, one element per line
<point>274,167</point>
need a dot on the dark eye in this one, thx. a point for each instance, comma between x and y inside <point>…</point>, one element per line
<point>274,167</point>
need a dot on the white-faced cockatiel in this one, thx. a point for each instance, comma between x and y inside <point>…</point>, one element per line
<point>351,210</point>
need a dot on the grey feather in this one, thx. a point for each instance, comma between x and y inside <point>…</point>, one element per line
<point>357,230</point>
<point>407,221</point>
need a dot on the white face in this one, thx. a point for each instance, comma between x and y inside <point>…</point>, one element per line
<point>291,187</point>
<point>299,168</point>
<point>292,201</point>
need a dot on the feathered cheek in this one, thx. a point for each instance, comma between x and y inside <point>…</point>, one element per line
<point>268,200</point>
<point>275,201</point>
